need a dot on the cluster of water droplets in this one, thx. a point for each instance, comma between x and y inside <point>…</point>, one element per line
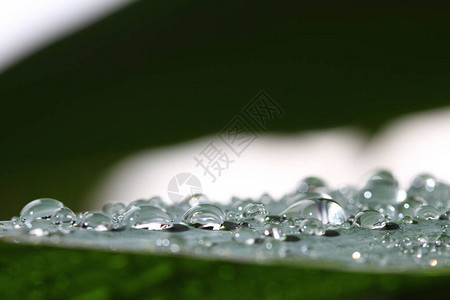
<point>376,224</point>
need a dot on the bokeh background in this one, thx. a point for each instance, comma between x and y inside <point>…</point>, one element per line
<point>159,72</point>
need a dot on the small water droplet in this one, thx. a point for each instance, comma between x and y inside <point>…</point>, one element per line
<point>407,220</point>
<point>388,241</point>
<point>205,216</point>
<point>39,209</point>
<point>255,211</point>
<point>96,221</point>
<point>423,240</point>
<point>312,226</point>
<point>146,217</point>
<point>370,219</point>
<point>63,216</point>
<point>443,241</point>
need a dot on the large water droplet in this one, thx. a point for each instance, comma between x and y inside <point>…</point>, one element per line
<point>380,191</point>
<point>147,217</point>
<point>325,210</point>
<point>370,219</point>
<point>312,226</point>
<point>96,221</point>
<point>63,216</point>
<point>39,209</point>
<point>410,206</point>
<point>435,192</point>
<point>427,212</point>
<point>205,216</point>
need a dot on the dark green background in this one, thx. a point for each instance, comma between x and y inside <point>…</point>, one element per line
<point>159,72</point>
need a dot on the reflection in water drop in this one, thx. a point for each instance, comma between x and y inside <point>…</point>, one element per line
<point>63,216</point>
<point>255,211</point>
<point>435,192</point>
<point>325,210</point>
<point>410,206</point>
<point>96,221</point>
<point>205,216</point>
<point>39,209</point>
<point>312,226</point>
<point>146,217</point>
<point>370,219</point>
<point>380,191</point>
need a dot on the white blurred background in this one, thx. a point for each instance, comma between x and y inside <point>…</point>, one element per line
<point>28,25</point>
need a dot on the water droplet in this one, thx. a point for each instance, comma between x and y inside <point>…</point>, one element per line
<point>205,216</point>
<point>96,221</point>
<point>112,209</point>
<point>443,241</point>
<point>39,209</point>
<point>255,211</point>
<point>427,212</point>
<point>388,241</point>
<point>423,240</point>
<point>146,217</point>
<point>63,216</point>
<point>410,206</point>
<point>245,236</point>
<point>312,185</point>
<point>407,220</point>
<point>232,215</point>
<point>325,210</point>
<point>370,219</point>
<point>273,231</point>
<point>445,216</point>
<point>433,191</point>
<point>356,255</point>
<point>41,227</point>
<point>312,226</point>
<point>380,190</point>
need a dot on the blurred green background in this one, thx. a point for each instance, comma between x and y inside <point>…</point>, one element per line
<point>159,72</point>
